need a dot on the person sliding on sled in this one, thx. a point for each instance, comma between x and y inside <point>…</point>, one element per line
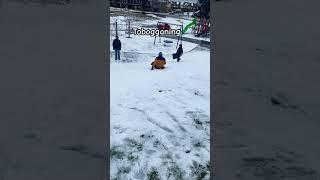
<point>178,54</point>
<point>159,62</point>
<point>117,47</point>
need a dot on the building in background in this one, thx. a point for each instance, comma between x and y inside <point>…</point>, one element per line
<point>160,6</point>
<point>131,4</point>
<point>143,5</point>
<point>165,6</point>
<point>204,8</point>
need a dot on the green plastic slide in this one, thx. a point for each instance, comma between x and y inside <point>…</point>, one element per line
<point>193,23</point>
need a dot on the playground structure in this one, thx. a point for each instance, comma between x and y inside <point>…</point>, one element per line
<point>129,28</point>
<point>166,26</point>
<point>163,26</point>
<point>116,27</point>
<point>124,24</point>
<point>200,27</point>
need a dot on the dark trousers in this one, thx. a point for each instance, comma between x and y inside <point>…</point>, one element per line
<point>176,56</point>
<point>117,54</point>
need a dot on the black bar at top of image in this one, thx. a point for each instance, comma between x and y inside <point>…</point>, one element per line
<point>53,94</point>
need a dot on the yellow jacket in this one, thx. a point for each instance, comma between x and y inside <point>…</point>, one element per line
<point>158,64</point>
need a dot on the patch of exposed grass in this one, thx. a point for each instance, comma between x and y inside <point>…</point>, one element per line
<point>199,171</point>
<point>198,144</point>
<point>132,157</point>
<point>153,174</point>
<point>199,118</point>
<point>115,153</point>
<point>156,143</point>
<point>124,170</point>
<point>133,144</point>
<point>176,172</point>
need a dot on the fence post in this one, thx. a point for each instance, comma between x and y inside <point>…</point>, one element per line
<point>129,29</point>
<point>116,28</point>
<point>181,32</point>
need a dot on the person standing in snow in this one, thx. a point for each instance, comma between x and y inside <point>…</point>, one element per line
<point>117,47</point>
<point>178,54</point>
<point>159,62</point>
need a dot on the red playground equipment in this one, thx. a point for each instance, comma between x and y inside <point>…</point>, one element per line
<point>163,26</point>
<point>202,28</point>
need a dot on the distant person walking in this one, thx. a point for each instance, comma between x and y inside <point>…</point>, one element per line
<point>178,54</point>
<point>159,62</point>
<point>117,47</point>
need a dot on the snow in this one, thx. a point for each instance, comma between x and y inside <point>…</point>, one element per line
<point>159,119</point>
<point>140,42</point>
<point>152,15</point>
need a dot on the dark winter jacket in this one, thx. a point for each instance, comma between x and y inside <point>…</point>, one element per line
<point>116,44</point>
<point>179,51</point>
<point>161,58</point>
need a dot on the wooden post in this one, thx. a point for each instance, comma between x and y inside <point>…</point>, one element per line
<point>116,28</point>
<point>181,31</point>
<point>180,36</point>
<point>129,29</point>
<point>177,42</point>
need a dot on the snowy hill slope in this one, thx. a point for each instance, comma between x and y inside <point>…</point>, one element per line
<point>160,118</point>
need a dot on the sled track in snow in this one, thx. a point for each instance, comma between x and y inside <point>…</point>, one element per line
<point>152,121</point>
<point>176,121</point>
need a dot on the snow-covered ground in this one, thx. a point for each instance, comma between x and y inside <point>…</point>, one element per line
<point>145,44</point>
<point>160,120</point>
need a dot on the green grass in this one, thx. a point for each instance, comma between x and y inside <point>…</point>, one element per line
<point>132,157</point>
<point>116,154</point>
<point>199,171</point>
<point>133,144</point>
<point>124,170</point>
<point>176,172</point>
<point>153,174</point>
